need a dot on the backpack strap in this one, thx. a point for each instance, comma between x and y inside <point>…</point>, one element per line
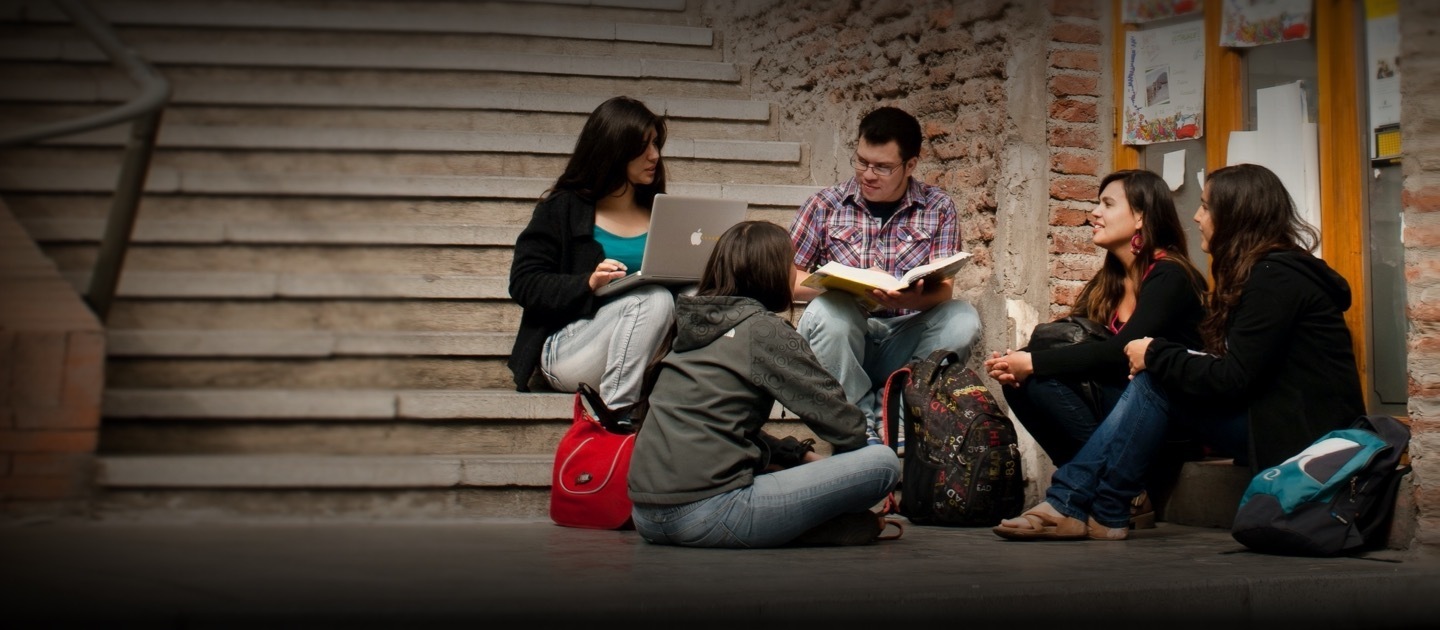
<point>928,369</point>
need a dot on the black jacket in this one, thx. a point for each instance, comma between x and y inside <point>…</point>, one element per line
<point>550,276</point>
<point>1167,305</point>
<point>1288,362</point>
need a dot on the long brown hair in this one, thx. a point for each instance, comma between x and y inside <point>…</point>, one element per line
<point>613,135</point>
<point>1160,231</point>
<point>1251,215</point>
<point>752,259</point>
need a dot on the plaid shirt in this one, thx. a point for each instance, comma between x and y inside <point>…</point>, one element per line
<point>834,224</point>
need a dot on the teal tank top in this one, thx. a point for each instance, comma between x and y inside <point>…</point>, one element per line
<point>629,250</point>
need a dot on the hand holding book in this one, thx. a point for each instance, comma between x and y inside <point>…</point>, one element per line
<point>861,282</point>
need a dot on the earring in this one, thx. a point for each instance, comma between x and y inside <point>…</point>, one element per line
<point>1136,243</point>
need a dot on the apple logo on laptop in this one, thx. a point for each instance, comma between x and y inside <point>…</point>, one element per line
<point>696,237</point>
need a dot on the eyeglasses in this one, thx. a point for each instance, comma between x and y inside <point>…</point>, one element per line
<point>882,170</point>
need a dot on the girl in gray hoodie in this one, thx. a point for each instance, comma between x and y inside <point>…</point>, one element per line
<point>699,474</point>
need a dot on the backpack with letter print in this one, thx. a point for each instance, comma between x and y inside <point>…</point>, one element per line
<point>1336,496</point>
<point>962,457</point>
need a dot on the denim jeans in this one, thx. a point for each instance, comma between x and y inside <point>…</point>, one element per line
<point>1109,470</point>
<point>862,351</point>
<point>610,350</point>
<point>1056,415</point>
<point>777,507</point>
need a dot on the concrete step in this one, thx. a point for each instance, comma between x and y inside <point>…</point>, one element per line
<point>84,87</point>
<point>306,344</point>
<point>419,140</point>
<point>175,181</point>
<point>300,285</point>
<point>300,472</point>
<point>474,316</point>
<point>487,19</point>
<point>1206,494</point>
<point>369,56</point>
<point>347,404</point>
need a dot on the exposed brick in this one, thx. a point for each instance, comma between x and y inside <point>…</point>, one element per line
<point>953,41</point>
<point>39,368</point>
<point>1075,8</point>
<point>1074,188</point>
<point>1077,137</point>
<point>1426,199</point>
<point>1075,267</point>
<point>18,441</point>
<point>940,19</point>
<point>73,415</point>
<point>1065,291</point>
<point>1071,241</point>
<point>84,382</point>
<point>39,488</point>
<point>1075,60</point>
<point>1068,217</point>
<point>1072,33</point>
<point>1074,111</point>
<point>1075,85</point>
<point>1071,163</point>
<point>51,464</point>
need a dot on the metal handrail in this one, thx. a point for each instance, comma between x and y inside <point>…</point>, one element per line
<point>145,111</point>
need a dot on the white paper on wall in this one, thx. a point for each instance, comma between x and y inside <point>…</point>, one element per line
<point>1286,142</point>
<point>1174,169</point>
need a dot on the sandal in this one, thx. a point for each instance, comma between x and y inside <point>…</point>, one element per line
<point>1042,522</point>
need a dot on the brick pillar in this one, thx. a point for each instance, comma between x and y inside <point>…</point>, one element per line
<point>52,367</point>
<point>1420,142</point>
<point>1076,145</point>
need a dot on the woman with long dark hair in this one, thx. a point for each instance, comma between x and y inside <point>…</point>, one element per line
<point>1146,287</point>
<point>704,473</point>
<point>1276,372</point>
<point>588,229</point>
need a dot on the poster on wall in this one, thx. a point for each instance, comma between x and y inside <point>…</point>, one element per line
<point>1382,60</point>
<point>1258,22</point>
<point>1286,142</point>
<point>1141,11</point>
<point>1164,97</point>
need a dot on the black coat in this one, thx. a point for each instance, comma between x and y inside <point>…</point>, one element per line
<point>1289,361</point>
<point>550,276</point>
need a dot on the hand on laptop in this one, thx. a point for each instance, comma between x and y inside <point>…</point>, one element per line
<point>609,270</point>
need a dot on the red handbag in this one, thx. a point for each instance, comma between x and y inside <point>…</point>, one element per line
<point>588,487</point>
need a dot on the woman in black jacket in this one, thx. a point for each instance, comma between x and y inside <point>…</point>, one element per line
<point>1277,370</point>
<point>590,227</point>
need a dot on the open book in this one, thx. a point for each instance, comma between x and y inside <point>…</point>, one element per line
<point>833,275</point>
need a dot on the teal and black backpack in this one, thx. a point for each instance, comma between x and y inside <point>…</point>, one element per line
<point>1337,496</point>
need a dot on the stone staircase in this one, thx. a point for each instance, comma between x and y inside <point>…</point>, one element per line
<point>313,318</point>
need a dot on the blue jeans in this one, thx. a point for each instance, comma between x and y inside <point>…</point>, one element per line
<point>1109,470</point>
<point>862,351</point>
<point>610,350</point>
<point>777,507</point>
<point>1056,415</point>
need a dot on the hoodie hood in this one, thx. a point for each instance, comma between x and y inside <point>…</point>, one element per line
<point>1307,265</point>
<point>703,319</point>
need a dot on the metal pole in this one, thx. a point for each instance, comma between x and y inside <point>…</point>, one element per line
<point>130,186</point>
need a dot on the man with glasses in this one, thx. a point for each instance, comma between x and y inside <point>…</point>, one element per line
<point>886,219</point>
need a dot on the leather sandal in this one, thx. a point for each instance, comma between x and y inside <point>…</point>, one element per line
<point>1042,522</point>
<point>1096,531</point>
<point>1142,512</point>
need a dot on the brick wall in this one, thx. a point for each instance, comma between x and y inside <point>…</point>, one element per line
<point>1420,198</point>
<point>1077,145</point>
<point>52,365</point>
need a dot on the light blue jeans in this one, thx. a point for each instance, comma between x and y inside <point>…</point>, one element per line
<point>610,350</point>
<point>777,507</point>
<point>862,351</point>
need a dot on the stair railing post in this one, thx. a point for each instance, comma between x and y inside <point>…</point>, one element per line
<point>105,276</point>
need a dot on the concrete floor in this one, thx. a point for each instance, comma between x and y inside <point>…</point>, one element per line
<point>536,574</point>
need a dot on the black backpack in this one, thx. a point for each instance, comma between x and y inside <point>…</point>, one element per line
<point>1336,496</point>
<point>962,457</point>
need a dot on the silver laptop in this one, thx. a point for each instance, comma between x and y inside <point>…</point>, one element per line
<point>683,232</point>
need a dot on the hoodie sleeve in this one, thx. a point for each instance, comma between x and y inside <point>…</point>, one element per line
<point>1257,338</point>
<point>782,364</point>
